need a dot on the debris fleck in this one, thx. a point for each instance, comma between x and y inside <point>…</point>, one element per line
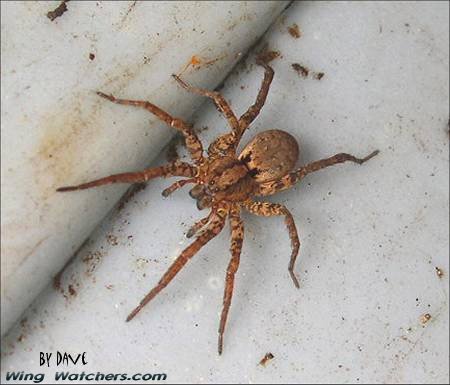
<point>268,356</point>
<point>112,240</point>
<point>91,56</point>
<point>425,318</point>
<point>318,75</point>
<point>72,291</point>
<point>58,11</point>
<point>267,56</point>
<point>439,272</point>
<point>294,31</point>
<point>301,70</point>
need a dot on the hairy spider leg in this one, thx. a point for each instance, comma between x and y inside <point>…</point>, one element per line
<point>218,99</point>
<point>237,238</point>
<point>268,209</point>
<point>176,168</point>
<point>200,224</point>
<point>176,185</point>
<point>214,228</point>
<point>253,111</point>
<point>229,142</point>
<point>192,142</point>
<point>269,188</point>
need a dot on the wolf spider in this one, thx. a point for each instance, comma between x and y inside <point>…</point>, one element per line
<point>226,182</point>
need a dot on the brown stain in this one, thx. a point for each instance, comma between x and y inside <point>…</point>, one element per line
<point>69,127</point>
<point>66,131</point>
<point>294,31</point>
<point>124,19</point>
<point>439,272</point>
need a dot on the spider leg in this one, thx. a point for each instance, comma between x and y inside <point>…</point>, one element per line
<point>223,143</point>
<point>192,142</point>
<point>268,209</point>
<point>237,237</point>
<point>175,186</point>
<point>218,99</point>
<point>247,118</point>
<point>269,188</point>
<point>199,224</point>
<point>176,168</point>
<point>216,225</point>
<point>230,141</point>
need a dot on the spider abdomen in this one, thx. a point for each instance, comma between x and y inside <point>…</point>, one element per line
<point>270,155</point>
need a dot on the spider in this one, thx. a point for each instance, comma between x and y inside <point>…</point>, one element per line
<point>226,182</point>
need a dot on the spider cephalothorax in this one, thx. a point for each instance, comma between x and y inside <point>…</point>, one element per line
<point>227,182</point>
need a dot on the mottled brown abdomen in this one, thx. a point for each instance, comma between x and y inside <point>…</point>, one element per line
<point>270,155</point>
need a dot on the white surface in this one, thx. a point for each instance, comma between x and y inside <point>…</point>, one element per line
<point>56,131</point>
<point>371,235</point>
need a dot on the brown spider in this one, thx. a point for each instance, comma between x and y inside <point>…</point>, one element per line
<point>226,182</point>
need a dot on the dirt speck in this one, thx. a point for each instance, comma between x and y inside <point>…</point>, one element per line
<point>300,69</point>
<point>267,56</point>
<point>318,75</point>
<point>439,272</point>
<point>267,357</point>
<point>294,31</point>
<point>112,240</point>
<point>91,56</point>
<point>58,11</point>
<point>92,259</point>
<point>424,318</point>
<point>72,291</point>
